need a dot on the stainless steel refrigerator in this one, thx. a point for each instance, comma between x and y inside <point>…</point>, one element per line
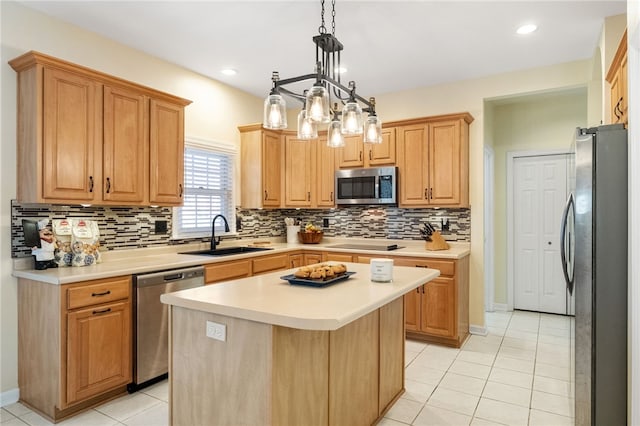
<point>594,258</point>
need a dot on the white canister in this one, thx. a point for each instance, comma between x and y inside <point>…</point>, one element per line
<point>292,234</point>
<point>381,270</point>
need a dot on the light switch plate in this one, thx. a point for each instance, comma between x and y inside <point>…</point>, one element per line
<point>217,331</point>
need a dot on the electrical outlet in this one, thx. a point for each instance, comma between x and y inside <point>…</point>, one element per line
<point>160,226</point>
<point>217,331</point>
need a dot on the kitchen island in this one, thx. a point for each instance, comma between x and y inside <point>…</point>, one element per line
<point>287,354</point>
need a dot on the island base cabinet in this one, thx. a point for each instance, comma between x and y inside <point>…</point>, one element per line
<point>267,374</point>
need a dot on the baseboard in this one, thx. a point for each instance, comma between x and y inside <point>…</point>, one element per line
<point>478,330</point>
<point>9,397</point>
<point>503,307</point>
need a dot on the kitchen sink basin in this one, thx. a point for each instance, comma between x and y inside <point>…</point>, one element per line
<point>227,251</point>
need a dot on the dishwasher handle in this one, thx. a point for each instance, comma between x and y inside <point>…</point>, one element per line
<point>164,277</point>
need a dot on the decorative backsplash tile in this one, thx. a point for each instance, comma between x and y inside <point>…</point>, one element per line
<point>133,227</point>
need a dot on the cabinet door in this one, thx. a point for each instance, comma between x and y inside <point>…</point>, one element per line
<point>326,174</point>
<point>438,307</point>
<point>72,137</point>
<point>270,263</point>
<point>312,258</point>
<point>623,91</point>
<point>412,304</point>
<point>98,350</point>
<point>216,272</point>
<point>299,168</point>
<point>351,154</point>
<point>272,158</point>
<point>125,146</point>
<point>166,153</point>
<point>412,165</point>
<point>296,260</point>
<point>383,154</point>
<point>338,257</point>
<point>445,163</point>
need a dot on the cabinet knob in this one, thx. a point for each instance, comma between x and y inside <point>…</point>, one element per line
<point>108,185</point>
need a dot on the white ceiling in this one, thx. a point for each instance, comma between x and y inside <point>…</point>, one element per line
<point>389,45</point>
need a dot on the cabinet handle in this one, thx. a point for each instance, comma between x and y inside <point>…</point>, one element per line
<point>90,183</point>
<point>431,193</point>
<point>265,195</point>
<point>309,196</point>
<point>426,193</point>
<point>104,311</point>
<point>418,290</point>
<point>180,188</point>
<point>422,266</point>
<point>101,294</point>
<point>360,155</point>
<point>370,155</point>
<point>108,185</point>
<point>331,195</point>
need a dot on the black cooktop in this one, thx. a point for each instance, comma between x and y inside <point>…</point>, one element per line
<point>366,247</point>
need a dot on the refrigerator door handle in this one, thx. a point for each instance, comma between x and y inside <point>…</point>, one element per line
<point>563,245</point>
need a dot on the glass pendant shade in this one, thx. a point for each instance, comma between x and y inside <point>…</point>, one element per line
<point>318,104</point>
<point>307,129</point>
<point>352,119</point>
<point>275,112</point>
<point>335,139</point>
<point>372,130</point>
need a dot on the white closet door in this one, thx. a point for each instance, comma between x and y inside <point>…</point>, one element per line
<point>540,191</point>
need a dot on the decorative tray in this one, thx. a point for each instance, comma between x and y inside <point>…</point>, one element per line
<point>316,283</point>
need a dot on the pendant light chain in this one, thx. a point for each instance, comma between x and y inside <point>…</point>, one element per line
<point>322,29</point>
<point>333,16</point>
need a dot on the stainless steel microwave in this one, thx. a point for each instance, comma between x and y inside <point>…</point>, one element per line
<point>376,185</point>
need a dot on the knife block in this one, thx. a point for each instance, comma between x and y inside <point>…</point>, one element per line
<point>437,242</point>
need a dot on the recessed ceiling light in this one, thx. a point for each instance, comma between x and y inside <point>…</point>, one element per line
<point>527,29</point>
<point>229,71</point>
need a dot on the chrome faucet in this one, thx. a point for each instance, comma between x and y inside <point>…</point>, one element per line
<point>213,230</point>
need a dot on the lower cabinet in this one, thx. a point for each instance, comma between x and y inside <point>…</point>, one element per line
<point>439,310</point>
<point>338,257</point>
<point>74,345</point>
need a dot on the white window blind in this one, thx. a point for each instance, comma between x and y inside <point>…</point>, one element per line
<point>208,191</point>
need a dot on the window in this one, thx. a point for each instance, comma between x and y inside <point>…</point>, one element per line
<point>208,190</point>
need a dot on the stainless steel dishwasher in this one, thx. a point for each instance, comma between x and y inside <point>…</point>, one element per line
<point>151,321</point>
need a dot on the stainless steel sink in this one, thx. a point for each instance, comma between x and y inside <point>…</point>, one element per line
<point>227,251</point>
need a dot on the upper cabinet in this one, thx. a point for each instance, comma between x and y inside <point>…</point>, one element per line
<point>356,153</point>
<point>617,78</point>
<point>433,161</point>
<point>262,160</point>
<point>87,137</point>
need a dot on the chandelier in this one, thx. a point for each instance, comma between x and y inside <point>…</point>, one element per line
<point>316,102</point>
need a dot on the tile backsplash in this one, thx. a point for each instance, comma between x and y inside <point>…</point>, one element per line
<point>133,227</point>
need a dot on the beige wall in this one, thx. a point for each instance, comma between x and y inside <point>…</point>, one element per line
<point>470,95</point>
<point>528,124</point>
<point>216,112</point>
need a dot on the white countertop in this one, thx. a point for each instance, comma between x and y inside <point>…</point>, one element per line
<point>269,299</point>
<point>137,261</point>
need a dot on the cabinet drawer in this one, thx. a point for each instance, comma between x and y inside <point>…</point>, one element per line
<point>99,291</point>
<point>446,267</point>
<point>226,271</point>
<point>270,263</point>
<point>339,257</point>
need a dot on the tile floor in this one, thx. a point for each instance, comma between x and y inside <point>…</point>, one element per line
<point>516,375</point>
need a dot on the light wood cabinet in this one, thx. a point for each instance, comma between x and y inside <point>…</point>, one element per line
<point>232,270</point>
<point>296,260</point>
<point>312,258</point>
<point>617,78</point>
<point>166,147</point>
<point>433,162</point>
<point>337,257</point>
<point>439,310</point>
<point>74,345</point>
<point>356,153</point>
<point>300,172</point>
<point>124,146</point>
<point>83,137</point>
<point>325,175</point>
<point>269,263</point>
<point>262,158</point>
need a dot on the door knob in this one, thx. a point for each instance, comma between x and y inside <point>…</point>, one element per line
<point>549,243</point>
